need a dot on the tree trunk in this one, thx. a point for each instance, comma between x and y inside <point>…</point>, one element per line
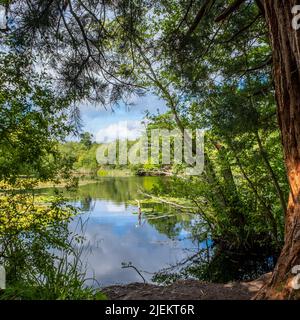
<point>286,63</point>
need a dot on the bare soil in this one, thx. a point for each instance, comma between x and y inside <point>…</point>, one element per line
<point>187,290</point>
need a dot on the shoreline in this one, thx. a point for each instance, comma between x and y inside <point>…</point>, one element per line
<point>187,290</point>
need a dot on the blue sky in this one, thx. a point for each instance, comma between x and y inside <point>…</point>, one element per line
<point>104,124</point>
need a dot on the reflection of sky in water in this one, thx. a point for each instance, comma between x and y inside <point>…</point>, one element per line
<point>113,236</point>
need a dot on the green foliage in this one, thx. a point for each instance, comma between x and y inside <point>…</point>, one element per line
<point>41,257</point>
<point>211,76</point>
<point>33,119</point>
<point>83,158</point>
<point>21,210</point>
<point>218,77</point>
<point>41,261</point>
<point>86,139</point>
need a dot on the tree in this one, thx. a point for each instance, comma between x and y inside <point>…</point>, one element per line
<point>86,139</point>
<point>285,43</point>
<point>90,68</point>
<point>84,66</point>
<point>33,119</point>
<point>286,67</point>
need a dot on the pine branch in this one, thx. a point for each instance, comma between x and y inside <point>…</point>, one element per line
<point>233,7</point>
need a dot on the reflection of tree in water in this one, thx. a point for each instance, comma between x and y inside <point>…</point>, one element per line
<point>211,263</point>
<point>171,226</point>
<point>228,266</point>
<point>166,220</point>
<point>217,264</point>
<point>122,190</point>
<point>119,190</point>
<point>87,203</point>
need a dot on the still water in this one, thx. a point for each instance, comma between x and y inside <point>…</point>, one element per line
<point>114,235</point>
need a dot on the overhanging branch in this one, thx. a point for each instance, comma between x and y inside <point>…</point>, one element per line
<point>207,5</point>
<point>233,7</point>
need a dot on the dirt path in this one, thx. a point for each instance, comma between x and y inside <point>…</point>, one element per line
<point>187,290</point>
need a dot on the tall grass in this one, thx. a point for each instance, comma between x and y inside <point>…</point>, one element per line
<point>47,265</point>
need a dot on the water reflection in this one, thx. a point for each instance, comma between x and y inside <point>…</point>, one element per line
<point>117,232</point>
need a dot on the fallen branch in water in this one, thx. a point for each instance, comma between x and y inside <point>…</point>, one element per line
<point>129,265</point>
<point>179,206</point>
<point>160,217</point>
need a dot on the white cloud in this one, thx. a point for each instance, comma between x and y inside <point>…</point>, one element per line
<point>122,130</point>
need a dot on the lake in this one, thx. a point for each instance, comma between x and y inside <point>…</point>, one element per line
<point>114,235</point>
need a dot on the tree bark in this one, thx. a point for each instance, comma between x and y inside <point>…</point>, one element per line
<point>286,67</point>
